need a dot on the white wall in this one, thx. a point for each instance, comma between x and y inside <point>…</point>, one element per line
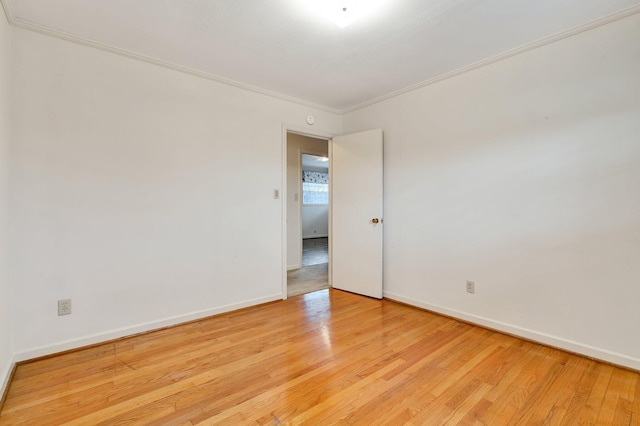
<point>297,145</point>
<point>6,355</point>
<point>523,176</point>
<point>315,221</point>
<point>143,194</point>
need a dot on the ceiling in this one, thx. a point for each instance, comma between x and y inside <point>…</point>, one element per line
<point>281,47</point>
<point>314,163</point>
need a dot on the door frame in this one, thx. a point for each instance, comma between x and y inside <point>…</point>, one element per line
<point>318,134</point>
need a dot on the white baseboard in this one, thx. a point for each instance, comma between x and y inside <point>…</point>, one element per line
<point>6,376</point>
<point>141,328</point>
<point>547,339</point>
<point>293,267</point>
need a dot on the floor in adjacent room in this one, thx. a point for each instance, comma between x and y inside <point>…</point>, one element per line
<point>313,275</point>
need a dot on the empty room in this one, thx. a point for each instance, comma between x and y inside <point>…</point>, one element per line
<point>480,204</point>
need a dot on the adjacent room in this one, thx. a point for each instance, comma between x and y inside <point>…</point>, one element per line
<point>320,212</point>
<point>313,273</point>
<point>307,214</point>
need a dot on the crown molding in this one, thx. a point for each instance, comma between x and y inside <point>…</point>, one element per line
<point>8,11</point>
<point>43,29</point>
<point>502,56</point>
<point>22,23</point>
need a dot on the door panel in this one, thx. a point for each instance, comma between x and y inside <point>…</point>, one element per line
<point>356,201</point>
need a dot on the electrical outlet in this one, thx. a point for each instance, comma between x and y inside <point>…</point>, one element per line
<point>471,287</point>
<point>64,307</point>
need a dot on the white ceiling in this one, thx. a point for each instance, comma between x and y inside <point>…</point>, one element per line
<point>313,162</point>
<point>280,46</point>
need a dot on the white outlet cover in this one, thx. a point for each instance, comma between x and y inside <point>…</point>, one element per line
<point>471,287</point>
<point>64,307</point>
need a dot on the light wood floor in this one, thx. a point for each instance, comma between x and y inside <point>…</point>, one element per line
<point>323,358</point>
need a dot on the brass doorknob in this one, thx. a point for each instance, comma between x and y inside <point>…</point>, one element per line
<point>375,220</point>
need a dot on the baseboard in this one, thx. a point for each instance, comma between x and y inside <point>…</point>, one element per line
<point>309,237</point>
<point>141,328</point>
<point>543,338</point>
<point>7,375</point>
<point>294,267</point>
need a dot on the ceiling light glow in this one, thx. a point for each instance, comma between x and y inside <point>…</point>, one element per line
<point>344,12</point>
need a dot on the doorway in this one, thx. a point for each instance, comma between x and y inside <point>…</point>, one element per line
<point>307,214</point>
<point>355,206</point>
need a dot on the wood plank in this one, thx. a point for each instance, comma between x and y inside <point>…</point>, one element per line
<point>616,408</point>
<point>327,358</point>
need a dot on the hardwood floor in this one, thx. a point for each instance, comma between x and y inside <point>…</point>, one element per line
<point>328,357</point>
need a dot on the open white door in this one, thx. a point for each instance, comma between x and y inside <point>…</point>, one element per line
<point>356,213</point>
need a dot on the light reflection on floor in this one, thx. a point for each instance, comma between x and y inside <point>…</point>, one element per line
<point>317,308</point>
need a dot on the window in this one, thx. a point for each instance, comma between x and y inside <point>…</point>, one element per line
<point>315,187</point>
<point>315,193</point>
